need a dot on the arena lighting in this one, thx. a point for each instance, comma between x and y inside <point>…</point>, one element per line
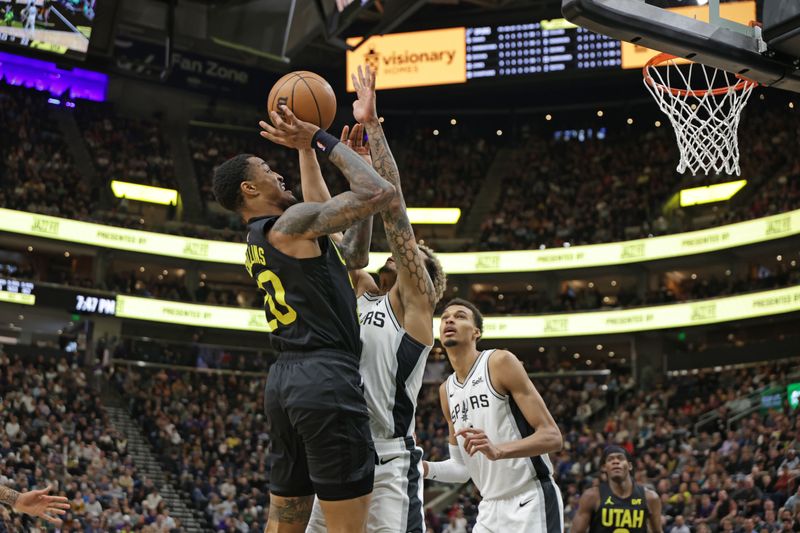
<point>47,76</point>
<point>17,298</point>
<point>144,193</point>
<point>434,215</point>
<point>711,193</point>
<point>594,255</point>
<point>697,313</point>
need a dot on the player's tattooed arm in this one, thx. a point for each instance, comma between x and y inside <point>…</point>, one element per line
<point>8,496</point>
<point>411,271</point>
<point>366,113</point>
<point>383,161</point>
<point>368,194</point>
<point>399,233</point>
<point>415,282</point>
<point>354,244</point>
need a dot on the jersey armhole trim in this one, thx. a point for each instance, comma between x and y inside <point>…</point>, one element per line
<point>391,312</point>
<point>489,379</point>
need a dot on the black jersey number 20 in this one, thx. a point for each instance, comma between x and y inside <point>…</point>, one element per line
<point>275,300</point>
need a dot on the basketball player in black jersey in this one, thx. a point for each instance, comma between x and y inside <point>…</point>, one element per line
<point>618,505</point>
<point>319,429</point>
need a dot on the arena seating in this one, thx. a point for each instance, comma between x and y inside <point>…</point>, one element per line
<point>195,353</point>
<point>37,171</point>
<point>757,278</point>
<point>216,446</point>
<point>124,148</point>
<point>704,478</point>
<point>212,435</point>
<point>55,432</point>
<point>581,193</point>
<point>615,189</point>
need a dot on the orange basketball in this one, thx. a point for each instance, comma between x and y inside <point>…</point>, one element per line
<point>308,95</point>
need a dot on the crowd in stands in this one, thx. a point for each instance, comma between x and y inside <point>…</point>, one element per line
<point>720,476</point>
<point>211,433</point>
<point>36,167</point>
<point>126,149</point>
<point>444,170</point>
<point>588,296</point>
<point>55,432</point>
<point>197,354</point>
<point>556,191</point>
<point>742,477</point>
<point>615,189</point>
<point>438,170</point>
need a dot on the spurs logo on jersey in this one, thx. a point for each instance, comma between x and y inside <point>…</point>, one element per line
<point>475,403</point>
<point>392,364</point>
<point>461,410</point>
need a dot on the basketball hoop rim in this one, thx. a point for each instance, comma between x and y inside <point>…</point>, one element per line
<point>664,57</point>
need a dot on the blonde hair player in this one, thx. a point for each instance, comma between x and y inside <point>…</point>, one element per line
<point>500,432</point>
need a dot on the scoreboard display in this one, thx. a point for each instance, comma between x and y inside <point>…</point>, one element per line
<point>536,48</point>
<point>524,48</point>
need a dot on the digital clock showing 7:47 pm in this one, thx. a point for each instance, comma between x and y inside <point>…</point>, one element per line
<point>95,304</point>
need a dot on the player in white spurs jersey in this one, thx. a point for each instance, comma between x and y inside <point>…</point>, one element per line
<point>397,335</point>
<point>500,432</point>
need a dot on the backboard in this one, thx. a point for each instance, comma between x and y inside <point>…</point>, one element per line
<point>710,39</point>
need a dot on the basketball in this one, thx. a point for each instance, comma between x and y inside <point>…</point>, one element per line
<point>308,95</point>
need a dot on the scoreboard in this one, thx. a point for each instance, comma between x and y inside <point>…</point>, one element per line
<point>524,48</point>
<point>535,48</point>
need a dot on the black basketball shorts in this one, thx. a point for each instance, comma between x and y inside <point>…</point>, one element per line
<point>320,441</point>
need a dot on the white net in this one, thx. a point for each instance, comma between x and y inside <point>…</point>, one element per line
<point>706,120</point>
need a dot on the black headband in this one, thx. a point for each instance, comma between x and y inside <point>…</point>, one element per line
<point>615,449</point>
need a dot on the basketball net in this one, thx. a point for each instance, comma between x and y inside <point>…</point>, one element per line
<point>706,118</point>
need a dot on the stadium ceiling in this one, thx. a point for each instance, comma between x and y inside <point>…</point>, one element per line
<point>262,33</point>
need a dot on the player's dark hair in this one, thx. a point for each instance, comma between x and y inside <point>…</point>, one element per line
<point>227,179</point>
<point>435,271</point>
<point>477,316</point>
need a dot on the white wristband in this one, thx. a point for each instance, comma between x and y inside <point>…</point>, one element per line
<point>451,471</point>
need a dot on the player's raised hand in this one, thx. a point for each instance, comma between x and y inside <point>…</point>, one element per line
<point>364,109</point>
<point>38,503</point>
<point>475,440</point>
<point>288,130</point>
<point>354,138</point>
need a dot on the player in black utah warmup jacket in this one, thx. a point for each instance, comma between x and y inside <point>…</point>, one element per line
<point>319,431</point>
<point>618,505</point>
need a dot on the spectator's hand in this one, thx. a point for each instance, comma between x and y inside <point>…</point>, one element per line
<point>288,131</point>
<point>364,109</point>
<point>38,503</point>
<point>475,440</point>
<point>354,138</point>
